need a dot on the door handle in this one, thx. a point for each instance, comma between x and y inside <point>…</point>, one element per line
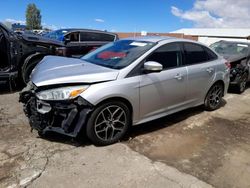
<point>210,70</point>
<point>178,76</point>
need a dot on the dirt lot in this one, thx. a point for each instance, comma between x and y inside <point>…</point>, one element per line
<point>213,146</point>
<point>170,152</point>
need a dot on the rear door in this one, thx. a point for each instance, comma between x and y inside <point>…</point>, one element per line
<point>201,69</point>
<point>164,91</point>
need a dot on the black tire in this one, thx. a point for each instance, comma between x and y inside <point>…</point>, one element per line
<point>213,98</point>
<point>241,86</point>
<point>28,67</point>
<point>108,123</point>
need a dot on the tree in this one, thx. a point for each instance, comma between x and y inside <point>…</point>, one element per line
<point>33,17</point>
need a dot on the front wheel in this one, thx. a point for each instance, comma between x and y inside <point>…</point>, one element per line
<point>214,97</point>
<point>108,123</point>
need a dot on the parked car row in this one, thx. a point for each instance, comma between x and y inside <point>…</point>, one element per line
<point>124,83</point>
<point>20,53</point>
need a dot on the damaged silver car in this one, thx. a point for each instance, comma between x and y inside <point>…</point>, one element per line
<point>124,83</point>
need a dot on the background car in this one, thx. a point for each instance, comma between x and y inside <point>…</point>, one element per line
<point>128,82</point>
<point>80,41</point>
<point>20,53</point>
<point>238,55</point>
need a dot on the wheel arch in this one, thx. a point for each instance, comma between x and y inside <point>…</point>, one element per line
<point>120,99</point>
<point>30,57</point>
<point>216,82</point>
<point>220,82</point>
<point>28,60</point>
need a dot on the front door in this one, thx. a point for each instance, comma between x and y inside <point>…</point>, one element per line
<point>165,91</point>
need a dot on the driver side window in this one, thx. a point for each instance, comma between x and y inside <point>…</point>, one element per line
<point>73,37</point>
<point>169,55</point>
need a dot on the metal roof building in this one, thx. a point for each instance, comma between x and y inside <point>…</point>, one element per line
<point>211,35</point>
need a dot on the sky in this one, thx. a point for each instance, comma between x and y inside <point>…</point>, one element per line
<point>132,15</point>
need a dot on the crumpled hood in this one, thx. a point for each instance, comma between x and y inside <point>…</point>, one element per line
<point>61,70</point>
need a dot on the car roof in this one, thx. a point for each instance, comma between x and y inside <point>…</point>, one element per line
<point>156,39</point>
<point>84,30</point>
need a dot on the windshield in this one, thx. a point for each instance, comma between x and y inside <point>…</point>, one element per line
<point>118,55</point>
<point>223,48</point>
<point>57,35</point>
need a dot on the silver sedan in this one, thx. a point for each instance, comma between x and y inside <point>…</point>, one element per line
<point>124,83</point>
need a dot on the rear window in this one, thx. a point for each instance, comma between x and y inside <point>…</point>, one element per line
<point>89,36</point>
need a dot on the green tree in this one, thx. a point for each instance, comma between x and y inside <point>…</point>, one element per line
<point>33,17</point>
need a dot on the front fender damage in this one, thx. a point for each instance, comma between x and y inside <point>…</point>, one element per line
<point>64,117</point>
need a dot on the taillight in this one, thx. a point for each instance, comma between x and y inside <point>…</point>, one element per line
<point>228,64</point>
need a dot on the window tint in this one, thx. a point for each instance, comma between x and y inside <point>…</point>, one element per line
<point>88,36</point>
<point>194,54</point>
<point>119,54</point>
<point>168,55</point>
<point>210,54</point>
<point>73,37</point>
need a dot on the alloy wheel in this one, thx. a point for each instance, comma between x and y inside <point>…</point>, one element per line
<point>215,96</point>
<point>110,123</point>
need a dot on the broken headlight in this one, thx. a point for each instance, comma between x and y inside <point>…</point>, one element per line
<point>63,93</point>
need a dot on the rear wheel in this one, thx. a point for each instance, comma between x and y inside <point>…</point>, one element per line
<point>241,86</point>
<point>108,123</point>
<point>214,97</point>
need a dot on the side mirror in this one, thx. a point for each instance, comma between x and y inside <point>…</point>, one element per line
<point>152,66</point>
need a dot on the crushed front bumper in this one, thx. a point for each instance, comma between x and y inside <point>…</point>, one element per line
<point>64,117</point>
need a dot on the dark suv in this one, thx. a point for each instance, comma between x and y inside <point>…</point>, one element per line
<point>80,41</point>
<point>20,53</point>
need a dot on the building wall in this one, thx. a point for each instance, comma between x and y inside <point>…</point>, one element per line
<point>177,35</point>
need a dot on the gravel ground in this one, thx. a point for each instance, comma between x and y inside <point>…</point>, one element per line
<point>193,148</point>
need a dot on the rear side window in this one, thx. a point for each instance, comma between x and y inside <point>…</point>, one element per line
<point>210,54</point>
<point>89,36</point>
<point>73,37</point>
<point>168,55</point>
<point>194,54</point>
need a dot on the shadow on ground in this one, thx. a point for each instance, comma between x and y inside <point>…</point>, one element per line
<point>166,121</point>
<point>81,140</point>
